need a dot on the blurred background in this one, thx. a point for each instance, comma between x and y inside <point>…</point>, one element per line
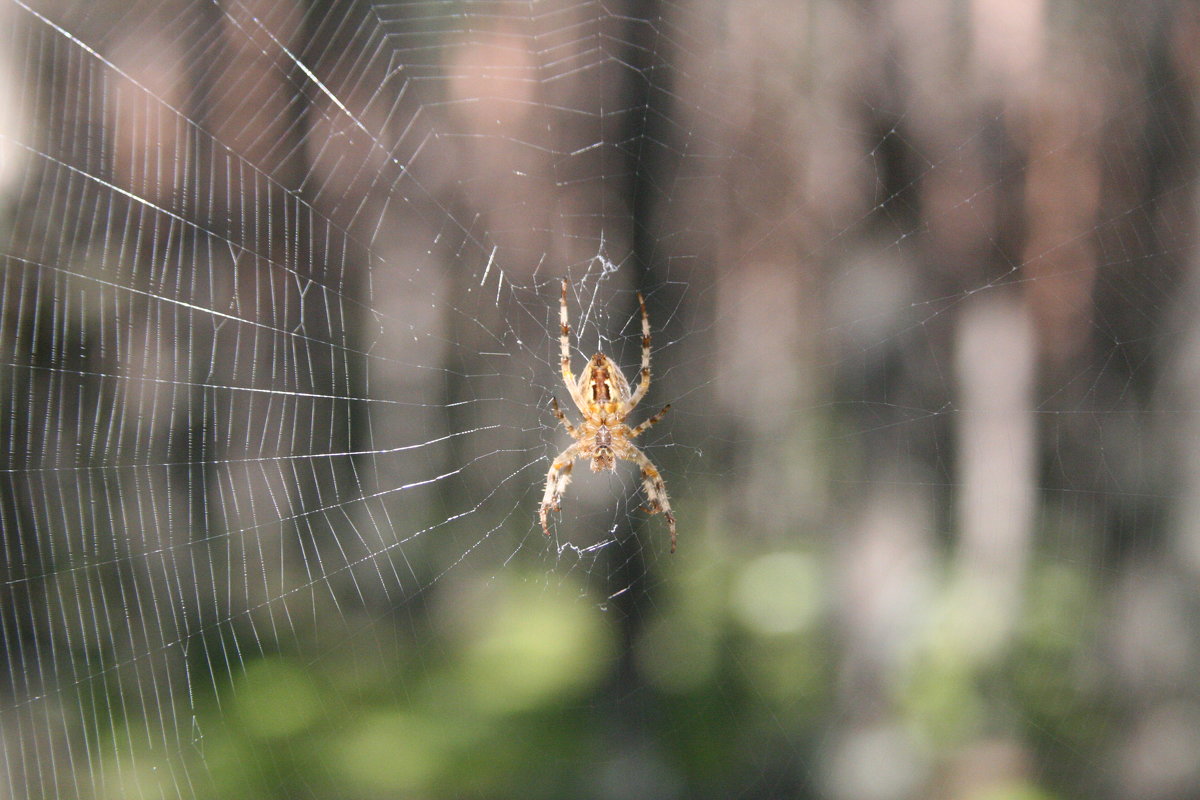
<point>279,334</point>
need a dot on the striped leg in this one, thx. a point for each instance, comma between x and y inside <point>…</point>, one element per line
<point>644,382</point>
<point>655,489</point>
<point>563,417</point>
<point>556,482</point>
<point>565,348</point>
<point>645,424</point>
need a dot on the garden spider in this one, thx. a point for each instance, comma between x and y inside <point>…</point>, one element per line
<point>603,398</point>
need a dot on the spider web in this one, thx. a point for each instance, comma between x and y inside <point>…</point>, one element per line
<point>279,324</point>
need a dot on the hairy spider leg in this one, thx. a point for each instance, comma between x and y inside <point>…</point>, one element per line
<point>653,486</point>
<point>644,381</point>
<point>565,343</point>
<point>563,418</point>
<point>645,424</point>
<point>556,481</point>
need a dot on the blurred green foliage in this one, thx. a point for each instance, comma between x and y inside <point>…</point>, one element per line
<point>508,691</point>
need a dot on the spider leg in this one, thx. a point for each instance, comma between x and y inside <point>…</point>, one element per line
<point>557,479</point>
<point>645,424</point>
<point>565,346</point>
<point>563,418</point>
<point>652,485</point>
<point>644,382</point>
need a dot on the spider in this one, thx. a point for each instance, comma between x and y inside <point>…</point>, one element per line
<point>603,398</point>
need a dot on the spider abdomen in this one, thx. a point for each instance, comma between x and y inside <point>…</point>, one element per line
<point>603,384</point>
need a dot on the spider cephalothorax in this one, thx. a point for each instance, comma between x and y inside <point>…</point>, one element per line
<point>603,397</point>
